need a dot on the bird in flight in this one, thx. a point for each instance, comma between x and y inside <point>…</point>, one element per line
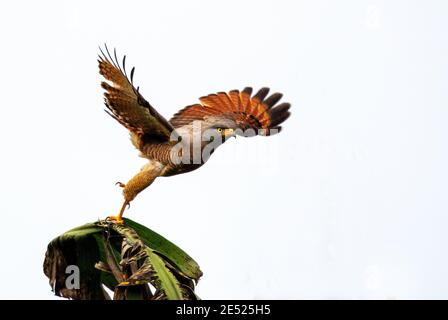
<point>186,141</point>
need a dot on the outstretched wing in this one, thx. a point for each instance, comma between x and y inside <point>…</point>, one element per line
<point>125,103</point>
<point>249,112</point>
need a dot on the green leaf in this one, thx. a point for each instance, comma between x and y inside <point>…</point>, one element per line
<point>146,257</point>
<point>77,247</point>
<point>168,282</point>
<point>176,256</point>
<point>153,267</point>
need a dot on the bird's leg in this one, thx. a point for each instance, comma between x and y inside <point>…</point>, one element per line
<point>119,218</point>
<point>138,183</point>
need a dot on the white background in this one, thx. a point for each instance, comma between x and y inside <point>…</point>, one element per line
<point>349,201</point>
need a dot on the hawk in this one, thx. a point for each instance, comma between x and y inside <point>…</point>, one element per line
<point>186,141</point>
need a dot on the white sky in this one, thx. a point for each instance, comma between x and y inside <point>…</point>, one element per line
<point>349,201</point>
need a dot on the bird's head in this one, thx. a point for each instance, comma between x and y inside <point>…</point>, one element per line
<point>203,137</point>
<point>215,127</point>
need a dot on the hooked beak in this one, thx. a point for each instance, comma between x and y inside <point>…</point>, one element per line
<point>229,133</point>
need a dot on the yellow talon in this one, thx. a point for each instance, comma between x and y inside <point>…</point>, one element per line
<point>121,184</point>
<point>117,219</point>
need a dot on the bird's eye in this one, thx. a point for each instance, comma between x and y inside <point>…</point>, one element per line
<point>219,129</point>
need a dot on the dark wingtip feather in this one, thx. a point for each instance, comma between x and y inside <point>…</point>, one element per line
<point>132,75</point>
<point>102,56</point>
<point>116,60</point>
<point>273,99</point>
<point>110,57</point>
<point>281,118</point>
<point>261,94</point>
<point>279,114</point>
<point>247,90</point>
<point>280,108</point>
<point>105,85</point>
<point>124,66</point>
